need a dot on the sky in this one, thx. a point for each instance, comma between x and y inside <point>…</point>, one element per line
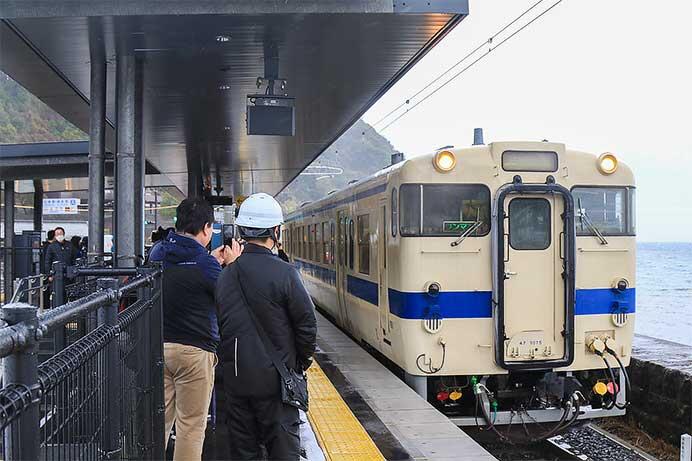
<point>598,75</point>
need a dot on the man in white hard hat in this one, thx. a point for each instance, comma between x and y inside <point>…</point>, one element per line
<point>262,292</point>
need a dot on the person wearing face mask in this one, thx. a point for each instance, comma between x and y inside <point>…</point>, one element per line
<point>190,328</point>
<point>268,331</point>
<point>58,250</point>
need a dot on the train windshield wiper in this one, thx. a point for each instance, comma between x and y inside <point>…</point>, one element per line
<point>469,230</point>
<point>584,219</point>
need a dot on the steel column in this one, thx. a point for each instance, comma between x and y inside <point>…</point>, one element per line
<point>156,338</point>
<point>108,315</point>
<point>125,161</point>
<point>22,438</point>
<point>9,239</point>
<point>139,161</point>
<point>38,205</point>
<point>97,146</point>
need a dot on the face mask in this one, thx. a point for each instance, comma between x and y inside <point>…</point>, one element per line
<point>60,238</point>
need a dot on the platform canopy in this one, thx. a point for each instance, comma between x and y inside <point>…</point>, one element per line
<point>200,59</point>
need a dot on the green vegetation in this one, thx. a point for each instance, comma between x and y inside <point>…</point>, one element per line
<point>24,118</point>
<point>359,152</point>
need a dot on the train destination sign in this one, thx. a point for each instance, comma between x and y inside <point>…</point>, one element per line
<point>456,226</point>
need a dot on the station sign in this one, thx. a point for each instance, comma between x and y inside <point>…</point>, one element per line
<point>60,206</point>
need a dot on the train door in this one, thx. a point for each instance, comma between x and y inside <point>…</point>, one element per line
<point>534,312</point>
<point>342,258</point>
<point>383,298</point>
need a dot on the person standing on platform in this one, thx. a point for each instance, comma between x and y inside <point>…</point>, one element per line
<point>58,250</point>
<point>267,322</point>
<point>190,328</point>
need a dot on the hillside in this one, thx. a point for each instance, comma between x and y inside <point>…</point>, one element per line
<point>358,153</point>
<point>24,118</point>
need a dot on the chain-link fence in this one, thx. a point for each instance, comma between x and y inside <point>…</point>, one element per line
<point>100,397</point>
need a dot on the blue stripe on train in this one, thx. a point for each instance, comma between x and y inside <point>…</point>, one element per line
<point>465,304</point>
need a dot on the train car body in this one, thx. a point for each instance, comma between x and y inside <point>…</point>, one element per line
<point>509,265</point>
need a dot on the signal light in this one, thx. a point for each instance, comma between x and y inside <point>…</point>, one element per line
<point>442,396</point>
<point>612,388</point>
<point>600,388</point>
<point>454,396</point>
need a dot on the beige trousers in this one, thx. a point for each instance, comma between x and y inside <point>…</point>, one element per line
<point>188,381</point>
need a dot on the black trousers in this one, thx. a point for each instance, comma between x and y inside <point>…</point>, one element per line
<point>269,423</point>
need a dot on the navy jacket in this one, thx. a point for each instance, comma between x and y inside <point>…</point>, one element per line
<point>55,252</point>
<point>189,278</point>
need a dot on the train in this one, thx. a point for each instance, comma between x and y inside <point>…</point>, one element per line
<point>497,279</point>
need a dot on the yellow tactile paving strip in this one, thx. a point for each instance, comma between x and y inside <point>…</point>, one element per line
<point>338,432</point>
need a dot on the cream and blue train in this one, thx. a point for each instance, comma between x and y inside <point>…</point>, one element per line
<point>498,277</point>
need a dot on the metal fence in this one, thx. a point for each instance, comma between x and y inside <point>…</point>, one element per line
<point>99,398</point>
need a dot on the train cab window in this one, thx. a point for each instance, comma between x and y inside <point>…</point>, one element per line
<point>350,244</point>
<point>364,244</point>
<point>611,210</point>
<point>529,224</point>
<point>442,210</point>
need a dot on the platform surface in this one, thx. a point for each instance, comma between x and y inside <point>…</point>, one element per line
<point>424,432</point>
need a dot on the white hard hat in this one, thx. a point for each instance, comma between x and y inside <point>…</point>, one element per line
<point>260,211</point>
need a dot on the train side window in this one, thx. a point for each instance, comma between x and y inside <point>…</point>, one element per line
<point>410,196</point>
<point>304,251</point>
<point>395,212</point>
<point>350,244</point>
<point>364,244</point>
<point>318,242</point>
<point>332,239</point>
<point>529,224</point>
<point>325,242</point>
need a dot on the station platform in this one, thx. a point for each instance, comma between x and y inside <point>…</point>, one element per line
<point>361,411</point>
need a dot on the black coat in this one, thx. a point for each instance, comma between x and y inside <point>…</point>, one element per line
<point>281,303</point>
<point>57,251</point>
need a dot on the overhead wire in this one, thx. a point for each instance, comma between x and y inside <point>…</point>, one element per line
<point>455,76</point>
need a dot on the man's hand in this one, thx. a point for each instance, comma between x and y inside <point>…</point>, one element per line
<point>226,254</point>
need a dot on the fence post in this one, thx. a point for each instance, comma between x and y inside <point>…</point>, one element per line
<point>21,438</point>
<point>108,315</point>
<point>58,287</point>
<point>145,358</point>
<point>159,442</point>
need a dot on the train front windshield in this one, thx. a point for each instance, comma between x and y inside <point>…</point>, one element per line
<point>447,209</point>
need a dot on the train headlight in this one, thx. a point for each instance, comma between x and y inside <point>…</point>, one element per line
<point>444,161</point>
<point>607,163</point>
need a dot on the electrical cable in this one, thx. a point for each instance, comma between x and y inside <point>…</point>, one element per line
<point>628,387</point>
<point>490,50</point>
<point>431,370</point>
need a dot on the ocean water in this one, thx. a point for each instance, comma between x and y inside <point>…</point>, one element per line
<point>664,291</point>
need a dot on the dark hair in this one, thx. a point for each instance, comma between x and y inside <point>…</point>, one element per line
<point>75,240</point>
<point>192,215</point>
<point>51,234</point>
<point>61,228</point>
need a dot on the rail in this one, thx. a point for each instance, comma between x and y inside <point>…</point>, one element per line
<point>36,285</point>
<point>100,397</point>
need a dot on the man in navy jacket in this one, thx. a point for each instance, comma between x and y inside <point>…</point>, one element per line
<point>190,326</point>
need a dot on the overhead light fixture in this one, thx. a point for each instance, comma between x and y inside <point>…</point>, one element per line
<point>224,87</point>
<point>223,38</point>
<point>227,128</point>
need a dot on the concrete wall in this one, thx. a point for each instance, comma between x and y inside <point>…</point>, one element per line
<point>662,389</point>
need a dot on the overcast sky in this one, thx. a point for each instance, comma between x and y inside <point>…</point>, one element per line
<point>598,75</point>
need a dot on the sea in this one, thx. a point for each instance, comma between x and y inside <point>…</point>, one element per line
<point>664,291</point>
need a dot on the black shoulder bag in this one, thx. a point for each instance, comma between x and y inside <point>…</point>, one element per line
<point>294,385</point>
